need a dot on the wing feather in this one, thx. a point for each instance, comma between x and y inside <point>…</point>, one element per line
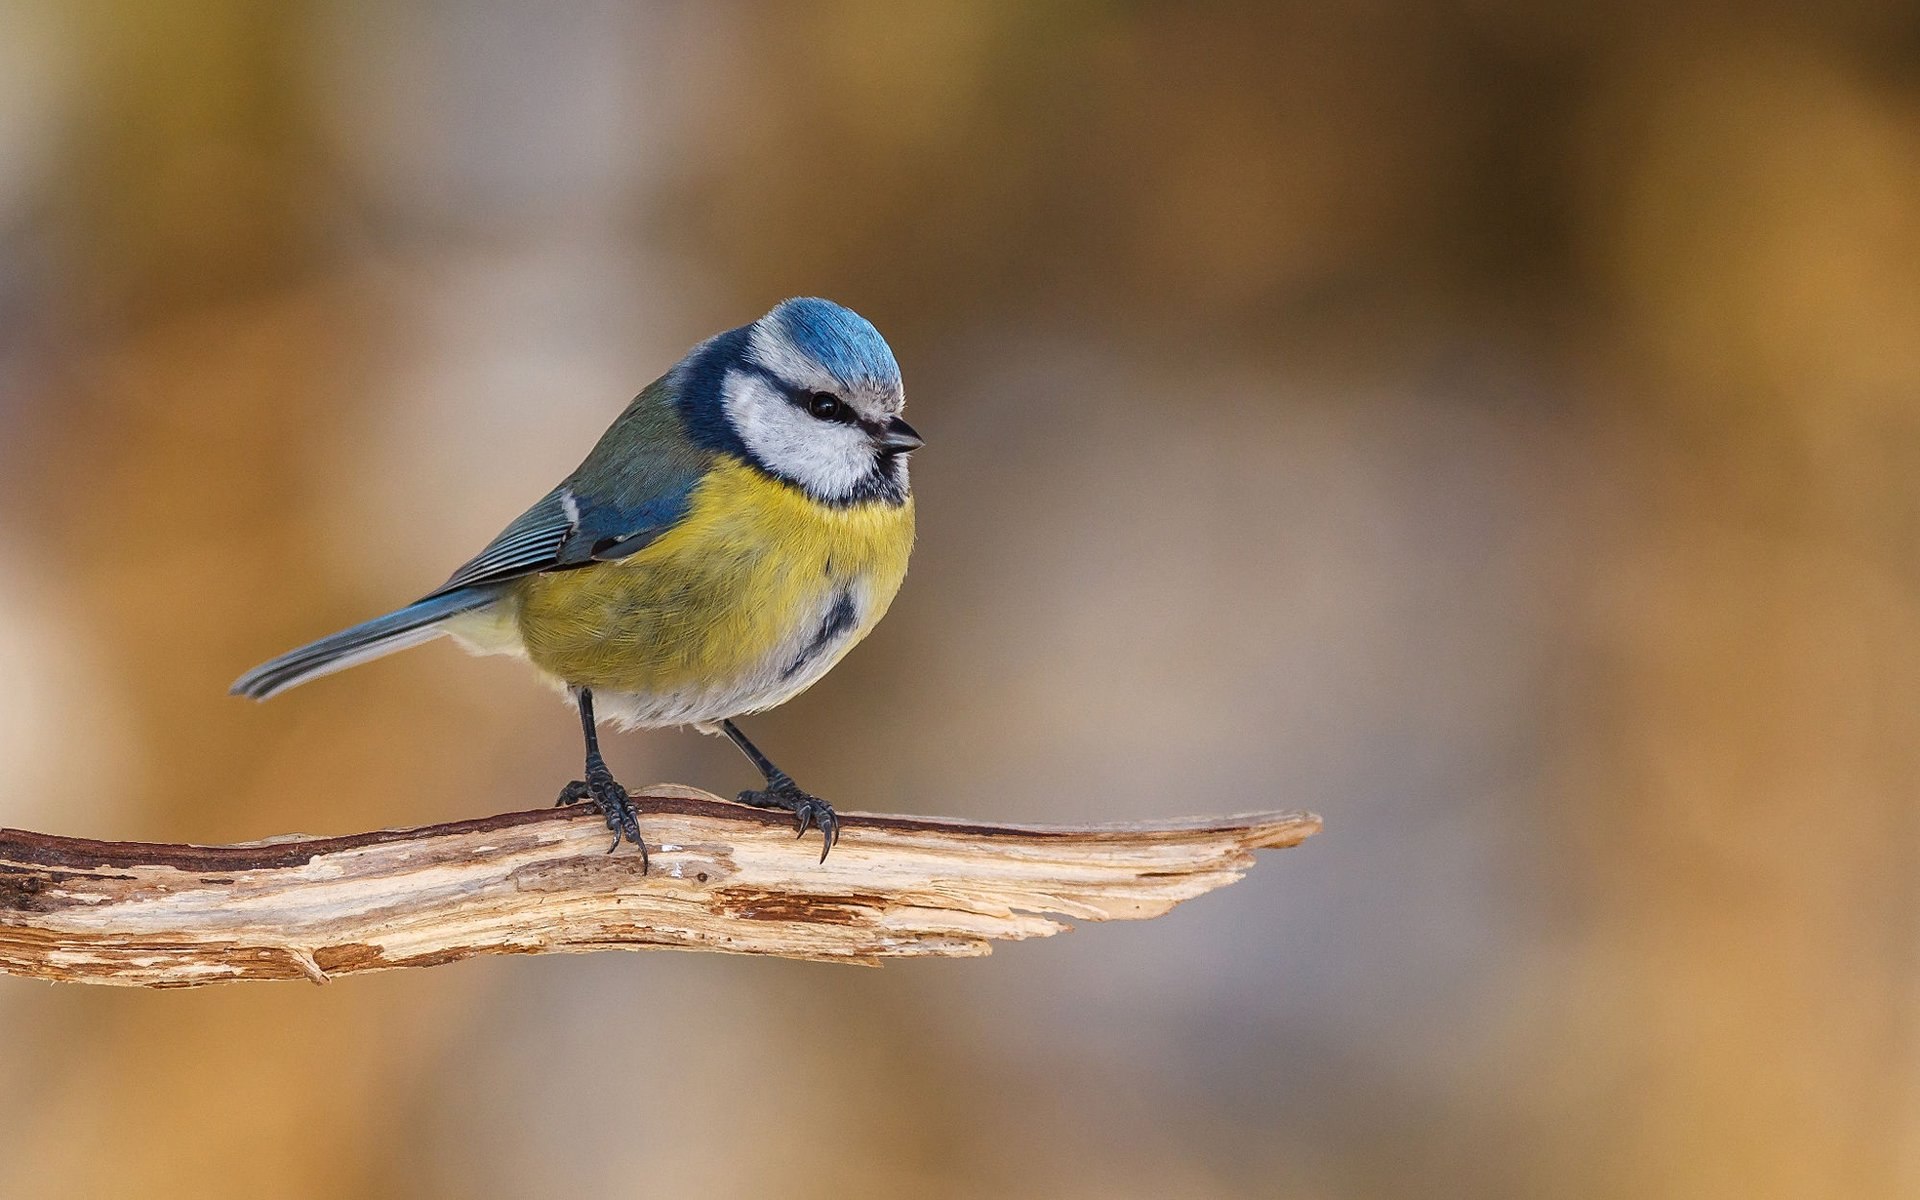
<point>633,487</point>
<point>532,543</point>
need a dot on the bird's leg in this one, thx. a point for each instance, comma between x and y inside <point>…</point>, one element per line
<point>782,792</point>
<point>599,786</point>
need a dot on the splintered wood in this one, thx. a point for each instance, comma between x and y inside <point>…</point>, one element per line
<point>724,877</point>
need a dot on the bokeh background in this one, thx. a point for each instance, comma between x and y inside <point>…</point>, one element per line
<point>1494,425</point>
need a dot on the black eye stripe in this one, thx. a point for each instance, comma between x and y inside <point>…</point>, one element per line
<point>825,406</point>
<point>802,399</point>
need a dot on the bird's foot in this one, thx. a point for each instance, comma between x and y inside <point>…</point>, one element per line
<point>809,811</point>
<point>613,802</point>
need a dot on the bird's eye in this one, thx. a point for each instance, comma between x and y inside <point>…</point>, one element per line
<point>825,405</point>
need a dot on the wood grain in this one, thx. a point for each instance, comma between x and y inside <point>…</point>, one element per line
<point>724,878</point>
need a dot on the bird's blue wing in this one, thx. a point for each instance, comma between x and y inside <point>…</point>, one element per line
<point>634,487</point>
<point>532,543</point>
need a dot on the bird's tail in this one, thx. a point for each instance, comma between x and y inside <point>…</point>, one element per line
<point>417,622</point>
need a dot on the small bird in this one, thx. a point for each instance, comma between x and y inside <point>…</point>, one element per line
<point>740,526</point>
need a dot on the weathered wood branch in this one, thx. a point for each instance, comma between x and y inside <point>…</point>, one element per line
<point>724,878</point>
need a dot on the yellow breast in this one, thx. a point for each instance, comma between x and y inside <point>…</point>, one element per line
<point>721,610</point>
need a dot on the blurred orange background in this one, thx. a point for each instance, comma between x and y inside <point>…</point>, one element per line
<point>1493,425</point>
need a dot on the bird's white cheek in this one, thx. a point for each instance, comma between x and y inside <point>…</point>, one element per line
<point>828,460</point>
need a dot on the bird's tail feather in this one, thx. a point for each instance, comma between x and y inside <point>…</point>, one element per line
<point>417,622</point>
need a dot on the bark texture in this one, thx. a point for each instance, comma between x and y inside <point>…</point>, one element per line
<point>724,877</point>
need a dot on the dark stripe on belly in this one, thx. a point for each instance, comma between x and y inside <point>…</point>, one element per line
<point>840,619</point>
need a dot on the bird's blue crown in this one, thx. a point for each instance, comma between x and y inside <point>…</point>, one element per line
<point>840,340</point>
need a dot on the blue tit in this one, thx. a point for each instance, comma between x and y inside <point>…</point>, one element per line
<point>735,532</point>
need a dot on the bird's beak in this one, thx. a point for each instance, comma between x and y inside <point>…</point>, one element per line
<point>899,438</point>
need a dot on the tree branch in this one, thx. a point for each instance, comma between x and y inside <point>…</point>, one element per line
<point>724,877</point>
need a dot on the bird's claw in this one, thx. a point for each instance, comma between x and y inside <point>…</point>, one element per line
<point>613,802</point>
<point>809,812</point>
<point>817,813</point>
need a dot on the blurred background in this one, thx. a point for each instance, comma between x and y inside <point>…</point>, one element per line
<point>1492,425</point>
